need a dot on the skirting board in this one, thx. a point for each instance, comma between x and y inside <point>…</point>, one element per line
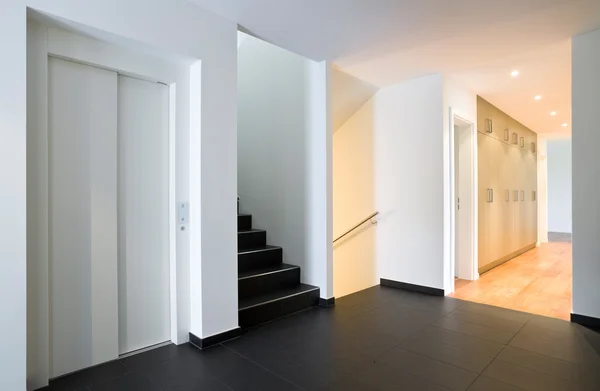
<point>588,321</point>
<point>506,258</point>
<point>411,287</point>
<point>203,343</point>
<point>326,303</point>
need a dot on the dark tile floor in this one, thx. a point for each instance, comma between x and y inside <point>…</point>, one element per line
<point>377,339</point>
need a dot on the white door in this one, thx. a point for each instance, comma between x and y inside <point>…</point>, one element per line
<point>82,204</point>
<point>144,318</point>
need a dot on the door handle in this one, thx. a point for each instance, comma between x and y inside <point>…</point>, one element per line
<point>534,196</point>
<point>492,191</point>
<point>522,195</point>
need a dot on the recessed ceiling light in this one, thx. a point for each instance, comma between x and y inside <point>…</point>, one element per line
<point>537,97</point>
<point>553,113</point>
<point>564,125</point>
<point>514,73</point>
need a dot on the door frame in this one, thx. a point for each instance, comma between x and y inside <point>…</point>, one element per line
<point>53,42</point>
<point>468,268</point>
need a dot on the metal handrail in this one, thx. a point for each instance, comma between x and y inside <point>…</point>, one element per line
<point>358,225</point>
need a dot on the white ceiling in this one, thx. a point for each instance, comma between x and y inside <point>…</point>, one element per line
<point>477,41</point>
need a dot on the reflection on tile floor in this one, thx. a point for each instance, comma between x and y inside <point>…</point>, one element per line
<point>377,339</point>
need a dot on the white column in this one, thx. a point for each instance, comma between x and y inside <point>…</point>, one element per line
<point>542,188</point>
<point>586,181</point>
<point>213,194</point>
<point>13,196</point>
<point>318,269</point>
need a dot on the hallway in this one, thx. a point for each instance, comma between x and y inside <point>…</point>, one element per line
<point>377,339</point>
<point>538,281</point>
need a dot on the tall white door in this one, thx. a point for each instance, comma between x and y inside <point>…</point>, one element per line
<point>82,207</point>
<point>144,318</point>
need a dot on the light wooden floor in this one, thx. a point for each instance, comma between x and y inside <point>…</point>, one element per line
<point>538,282</point>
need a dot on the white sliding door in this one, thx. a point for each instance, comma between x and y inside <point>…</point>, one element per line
<point>144,318</point>
<point>82,173</point>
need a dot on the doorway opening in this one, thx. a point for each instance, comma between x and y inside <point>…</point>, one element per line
<point>463,184</point>
<point>522,257</point>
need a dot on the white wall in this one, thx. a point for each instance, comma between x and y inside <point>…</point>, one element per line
<point>213,260</point>
<point>461,102</point>
<point>388,158</point>
<point>354,256</point>
<point>284,154</point>
<point>586,181</point>
<point>559,185</point>
<point>542,186</point>
<point>348,94</point>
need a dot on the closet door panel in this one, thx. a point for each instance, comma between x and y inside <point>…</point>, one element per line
<point>144,312</point>
<point>497,218</point>
<point>483,143</point>
<point>82,173</point>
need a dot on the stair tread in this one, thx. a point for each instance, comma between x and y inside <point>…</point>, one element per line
<point>267,270</point>
<point>249,302</point>
<point>257,249</point>
<point>244,214</point>
<point>251,231</point>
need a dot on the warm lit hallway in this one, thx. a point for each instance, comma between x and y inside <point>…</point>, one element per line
<point>538,281</point>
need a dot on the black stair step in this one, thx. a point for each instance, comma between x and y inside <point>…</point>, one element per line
<point>259,281</point>
<point>252,239</point>
<point>272,305</point>
<point>244,222</point>
<point>259,258</point>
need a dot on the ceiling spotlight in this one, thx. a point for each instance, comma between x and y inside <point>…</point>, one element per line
<point>514,73</point>
<point>537,97</point>
<point>564,125</point>
<point>553,113</point>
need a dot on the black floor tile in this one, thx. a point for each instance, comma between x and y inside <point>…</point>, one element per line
<point>377,339</point>
<point>86,377</point>
<point>486,384</point>
<point>488,319</point>
<point>445,375</point>
<point>525,378</point>
<point>128,382</point>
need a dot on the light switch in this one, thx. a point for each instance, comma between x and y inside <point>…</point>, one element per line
<point>183,214</point>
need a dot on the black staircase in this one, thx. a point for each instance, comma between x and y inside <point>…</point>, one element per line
<point>267,287</point>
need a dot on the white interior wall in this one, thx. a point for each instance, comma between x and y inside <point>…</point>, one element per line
<point>559,185</point>
<point>283,154</point>
<point>213,181</point>
<point>388,158</point>
<point>354,256</point>
<point>461,102</point>
<point>586,181</point>
<point>348,94</point>
<point>542,185</point>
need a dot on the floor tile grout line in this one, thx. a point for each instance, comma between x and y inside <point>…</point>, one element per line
<point>491,327</point>
<point>473,336</point>
<point>497,354</point>
<point>263,367</point>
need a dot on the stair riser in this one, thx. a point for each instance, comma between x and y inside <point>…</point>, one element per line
<point>244,223</point>
<point>276,309</point>
<point>249,240</point>
<point>259,259</point>
<point>268,282</point>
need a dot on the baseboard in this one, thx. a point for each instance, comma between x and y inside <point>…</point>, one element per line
<point>505,258</point>
<point>411,287</point>
<point>326,303</point>
<point>203,343</point>
<point>584,320</point>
